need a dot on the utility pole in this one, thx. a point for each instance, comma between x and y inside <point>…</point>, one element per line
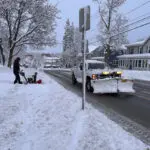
<point>84,25</point>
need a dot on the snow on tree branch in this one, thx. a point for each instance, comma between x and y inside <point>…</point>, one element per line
<point>27,20</point>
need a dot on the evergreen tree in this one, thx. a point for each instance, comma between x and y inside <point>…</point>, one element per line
<point>66,36</point>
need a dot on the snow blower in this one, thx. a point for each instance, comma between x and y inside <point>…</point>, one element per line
<point>32,79</point>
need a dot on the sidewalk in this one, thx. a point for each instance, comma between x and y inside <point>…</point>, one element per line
<point>48,117</point>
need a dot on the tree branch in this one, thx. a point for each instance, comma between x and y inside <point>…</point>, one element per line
<point>18,52</point>
<point>101,14</point>
<point>20,12</point>
<point>27,19</point>
<point>9,27</point>
<point>25,35</point>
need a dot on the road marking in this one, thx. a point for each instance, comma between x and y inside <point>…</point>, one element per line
<point>141,83</point>
<point>141,96</point>
<point>146,92</point>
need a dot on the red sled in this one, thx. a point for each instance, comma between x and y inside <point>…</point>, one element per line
<point>39,82</point>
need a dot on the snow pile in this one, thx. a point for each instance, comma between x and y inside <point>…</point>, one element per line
<point>58,69</point>
<point>145,55</point>
<point>136,75</point>
<point>48,117</point>
<point>5,80</point>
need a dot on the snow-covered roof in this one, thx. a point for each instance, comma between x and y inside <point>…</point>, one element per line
<point>123,47</point>
<point>51,58</point>
<point>92,47</point>
<point>97,58</point>
<point>139,43</point>
<point>94,61</point>
<point>145,55</point>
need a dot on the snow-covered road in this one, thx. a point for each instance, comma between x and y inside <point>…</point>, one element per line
<point>48,117</point>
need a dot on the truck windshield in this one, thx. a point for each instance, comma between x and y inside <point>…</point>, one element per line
<point>96,66</point>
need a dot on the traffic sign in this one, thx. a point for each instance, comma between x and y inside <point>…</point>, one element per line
<point>84,23</point>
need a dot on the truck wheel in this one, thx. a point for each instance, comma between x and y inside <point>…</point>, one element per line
<point>88,86</point>
<point>74,81</point>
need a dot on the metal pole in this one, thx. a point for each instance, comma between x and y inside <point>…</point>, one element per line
<point>83,97</point>
<point>84,59</point>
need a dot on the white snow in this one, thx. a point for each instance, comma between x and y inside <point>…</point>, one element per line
<point>51,58</point>
<point>59,69</point>
<point>48,117</point>
<point>95,61</point>
<point>145,55</point>
<point>98,58</point>
<point>136,75</point>
<point>138,43</point>
<point>92,47</point>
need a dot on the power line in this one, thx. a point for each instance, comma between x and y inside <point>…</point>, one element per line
<point>140,16</point>
<point>136,8</point>
<point>59,2</point>
<point>126,31</point>
<point>132,10</point>
<point>131,24</point>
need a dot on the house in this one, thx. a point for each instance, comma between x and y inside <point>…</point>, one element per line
<point>136,57</point>
<point>51,62</point>
<point>99,54</point>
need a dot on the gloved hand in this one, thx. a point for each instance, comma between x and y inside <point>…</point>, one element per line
<point>22,73</point>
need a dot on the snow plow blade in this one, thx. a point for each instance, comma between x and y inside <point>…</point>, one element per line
<point>125,86</point>
<point>112,85</point>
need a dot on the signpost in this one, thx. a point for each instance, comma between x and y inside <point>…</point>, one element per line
<point>84,25</point>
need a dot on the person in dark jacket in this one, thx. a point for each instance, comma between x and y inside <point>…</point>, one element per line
<point>16,70</point>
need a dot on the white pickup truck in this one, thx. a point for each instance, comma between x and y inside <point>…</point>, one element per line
<point>100,79</point>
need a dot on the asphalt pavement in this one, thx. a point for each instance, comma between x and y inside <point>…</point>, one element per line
<point>142,89</point>
<point>132,112</point>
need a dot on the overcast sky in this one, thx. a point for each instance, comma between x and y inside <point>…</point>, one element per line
<point>70,9</point>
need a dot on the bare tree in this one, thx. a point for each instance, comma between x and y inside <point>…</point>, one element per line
<point>27,23</point>
<point>2,54</point>
<point>108,12</point>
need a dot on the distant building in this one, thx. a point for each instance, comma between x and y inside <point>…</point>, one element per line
<point>51,62</point>
<point>136,57</point>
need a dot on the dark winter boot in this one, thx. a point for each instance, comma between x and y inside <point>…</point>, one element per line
<point>15,82</point>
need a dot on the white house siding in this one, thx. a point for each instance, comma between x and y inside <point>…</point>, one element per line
<point>134,61</point>
<point>137,56</point>
<point>146,47</point>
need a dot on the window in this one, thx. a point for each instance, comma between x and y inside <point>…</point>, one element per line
<point>143,64</point>
<point>96,66</point>
<point>141,50</point>
<point>121,63</point>
<point>139,64</point>
<point>136,63</point>
<point>131,51</point>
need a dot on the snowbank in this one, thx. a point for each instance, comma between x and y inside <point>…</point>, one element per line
<point>48,117</point>
<point>137,75</point>
<point>58,69</point>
